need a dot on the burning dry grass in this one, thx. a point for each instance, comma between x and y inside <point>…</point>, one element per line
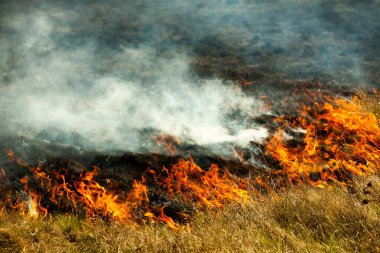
<point>306,220</point>
<point>337,151</point>
<point>340,139</point>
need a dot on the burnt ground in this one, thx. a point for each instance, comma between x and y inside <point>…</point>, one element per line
<point>289,52</point>
<point>118,169</point>
<point>261,41</point>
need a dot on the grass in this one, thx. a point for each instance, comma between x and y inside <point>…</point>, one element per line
<point>296,220</point>
<point>303,220</point>
<point>371,102</point>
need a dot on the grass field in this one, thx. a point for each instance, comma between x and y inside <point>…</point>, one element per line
<point>298,220</point>
<point>81,76</point>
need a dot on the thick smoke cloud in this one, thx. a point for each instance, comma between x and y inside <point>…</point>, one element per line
<point>107,71</point>
<point>60,89</point>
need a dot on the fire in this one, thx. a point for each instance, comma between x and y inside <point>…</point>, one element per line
<point>206,188</point>
<point>167,220</point>
<point>35,209</point>
<point>27,202</point>
<point>333,141</point>
<point>11,155</point>
<point>209,189</point>
<point>341,139</point>
<point>97,199</point>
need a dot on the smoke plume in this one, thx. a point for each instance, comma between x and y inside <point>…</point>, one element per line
<point>101,74</point>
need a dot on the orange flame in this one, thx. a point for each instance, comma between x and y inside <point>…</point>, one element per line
<point>207,188</point>
<point>341,139</point>
<point>30,207</point>
<point>11,155</point>
<point>168,220</point>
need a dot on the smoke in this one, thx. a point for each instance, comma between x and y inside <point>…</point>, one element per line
<point>101,73</point>
<point>59,89</point>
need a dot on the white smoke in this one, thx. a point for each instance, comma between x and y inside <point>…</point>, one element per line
<point>60,88</point>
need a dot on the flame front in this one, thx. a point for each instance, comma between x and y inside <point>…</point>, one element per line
<point>185,179</point>
<point>341,139</point>
<point>207,188</point>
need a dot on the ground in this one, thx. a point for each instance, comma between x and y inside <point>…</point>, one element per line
<point>297,220</point>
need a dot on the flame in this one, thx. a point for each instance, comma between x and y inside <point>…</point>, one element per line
<point>212,188</point>
<point>97,200</point>
<point>341,139</point>
<point>28,205</point>
<point>167,220</point>
<point>338,139</point>
<point>206,188</point>
<point>35,210</point>
<point>11,155</point>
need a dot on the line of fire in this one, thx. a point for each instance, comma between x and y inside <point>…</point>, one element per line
<point>327,142</point>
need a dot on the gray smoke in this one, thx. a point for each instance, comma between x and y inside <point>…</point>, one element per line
<point>105,71</point>
<point>60,90</point>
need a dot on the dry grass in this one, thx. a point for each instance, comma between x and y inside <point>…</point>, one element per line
<point>371,102</point>
<point>306,220</point>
